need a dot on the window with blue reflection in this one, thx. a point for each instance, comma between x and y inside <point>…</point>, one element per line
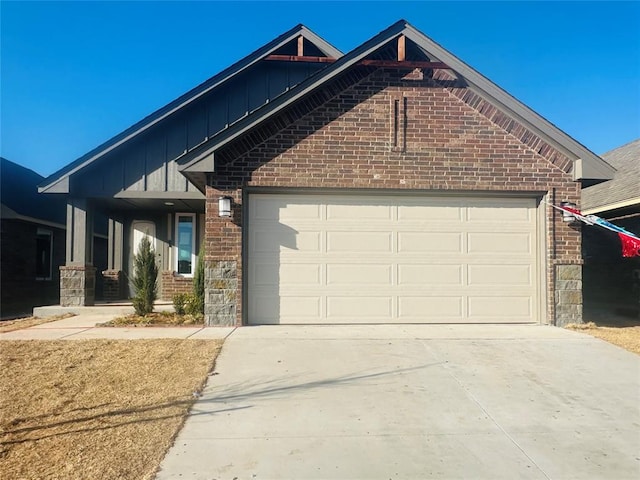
<point>184,243</point>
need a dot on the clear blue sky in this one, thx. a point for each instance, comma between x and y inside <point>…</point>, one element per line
<point>75,74</point>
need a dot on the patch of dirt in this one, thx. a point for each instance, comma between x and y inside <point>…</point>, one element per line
<point>155,319</point>
<point>26,322</point>
<point>626,336</point>
<point>98,409</point>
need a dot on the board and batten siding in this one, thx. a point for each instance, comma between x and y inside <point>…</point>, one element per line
<point>150,163</point>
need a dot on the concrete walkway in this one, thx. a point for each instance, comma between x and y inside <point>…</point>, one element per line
<point>414,402</point>
<point>83,326</point>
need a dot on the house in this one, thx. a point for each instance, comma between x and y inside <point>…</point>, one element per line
<point>393,183</point>
<point>32,242</point>
<point>610,278</point>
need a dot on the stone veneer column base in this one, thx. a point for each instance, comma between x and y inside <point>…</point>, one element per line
<point>568,294</point>
<point>220,293</point>
<point>77,285</point>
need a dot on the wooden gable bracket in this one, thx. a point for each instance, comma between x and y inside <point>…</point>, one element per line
<point>401,48</point>
<point>401,61</point>
<point>300,58</point>
<point>404,64</point>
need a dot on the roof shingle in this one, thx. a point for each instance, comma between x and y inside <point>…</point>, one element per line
<point>625,184</point>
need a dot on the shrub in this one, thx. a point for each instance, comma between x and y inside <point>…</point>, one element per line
<point>179,302</point>
<point>145,276</point>
<point>194,306</point>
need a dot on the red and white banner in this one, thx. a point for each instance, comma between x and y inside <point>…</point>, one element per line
<point>630,241</point>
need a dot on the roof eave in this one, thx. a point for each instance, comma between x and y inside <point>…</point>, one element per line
<point>588,169</point>
<point>587,165</point>
<point>631,202</point>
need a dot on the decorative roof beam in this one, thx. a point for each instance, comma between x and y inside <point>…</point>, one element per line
<point>300,58</point>
<point>403,64</point>
<point>301,46</point>
<point>401,48</point>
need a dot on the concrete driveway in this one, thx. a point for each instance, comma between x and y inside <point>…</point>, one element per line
<point>414,402</point>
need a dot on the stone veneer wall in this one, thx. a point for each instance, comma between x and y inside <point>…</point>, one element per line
<point>77,285</point>
<point>568,294</point>
<point>220,291</point>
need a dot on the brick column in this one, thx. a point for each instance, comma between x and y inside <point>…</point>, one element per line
<point>114,285</point>
<point>222,276</point>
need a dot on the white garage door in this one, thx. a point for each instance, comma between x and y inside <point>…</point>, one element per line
<point>391,259</point>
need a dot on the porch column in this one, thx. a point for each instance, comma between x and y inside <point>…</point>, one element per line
<point>78,275</point>
<point>113,276</point>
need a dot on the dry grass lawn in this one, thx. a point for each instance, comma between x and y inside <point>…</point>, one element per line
<point>625,336</point>
<point>95,409</point>
<point>26,322</point>
<point>155,319</point>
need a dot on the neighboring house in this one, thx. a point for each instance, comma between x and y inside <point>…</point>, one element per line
<point>393,183</point>
<point>32,242</point>
<point>609,277</point>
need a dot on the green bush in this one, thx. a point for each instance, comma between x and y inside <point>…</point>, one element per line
<point>145,276</point>
<point>179,302</point>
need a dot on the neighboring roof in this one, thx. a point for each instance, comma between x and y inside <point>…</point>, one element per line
<point>587,165</point>
<point>63,174</point>
<point>20,200</point>
<point>624,190</point>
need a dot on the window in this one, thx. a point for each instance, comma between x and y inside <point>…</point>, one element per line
<point>44,248</point>
<point>185,243</point>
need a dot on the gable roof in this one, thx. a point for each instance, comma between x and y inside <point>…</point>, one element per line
<point>624,190</point>
<point>59,180</point>
<point>19,197</point>
<point>586,164</point>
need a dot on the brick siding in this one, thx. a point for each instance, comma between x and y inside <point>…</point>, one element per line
<point>171,283</point>
<point>452,140</point>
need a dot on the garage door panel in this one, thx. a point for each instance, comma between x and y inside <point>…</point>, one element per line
<point>430,275</point>
<point>351,210</point>
<point>429,213</point>
<point>503,244</point>
<point>342,307</point>
<point>278,240</point>
<point>429,242</point>
<point>356,242</point>
<point>279,208</point>
<point>499,214</point>
<point>366,259</point>
<point>440,308</point>
<point>301,306</point>
<point>272,274</point>
<point>500,275</point>
<point>502,308</point>
<point>359,274</point>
